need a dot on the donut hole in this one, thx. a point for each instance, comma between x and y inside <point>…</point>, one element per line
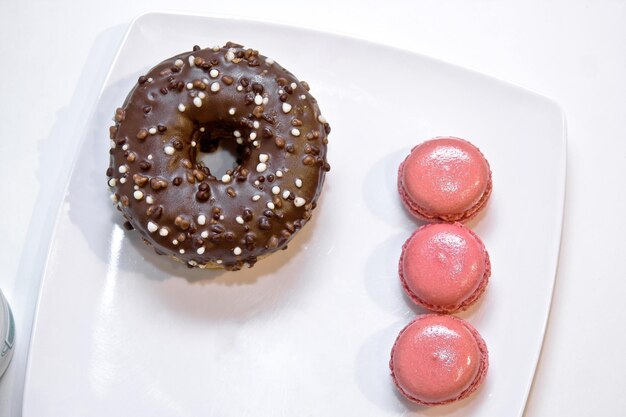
<point>218,150</point>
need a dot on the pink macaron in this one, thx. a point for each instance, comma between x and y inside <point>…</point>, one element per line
<point>438,359</point>
<point>446,179</point>
<point>444,267</point>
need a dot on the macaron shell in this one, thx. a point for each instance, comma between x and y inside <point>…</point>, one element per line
<point>444,267</point>
<point>445,178</point>
<point>438,359</point>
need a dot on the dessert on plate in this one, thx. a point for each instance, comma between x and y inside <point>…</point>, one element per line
<point>191,104</point>
<point>444,267</point>
<point>445,179</point>
<point>438,359</point>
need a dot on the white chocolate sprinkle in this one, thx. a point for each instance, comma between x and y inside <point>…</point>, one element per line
<point>256,124</point>
<point>256,197</point>
<point>138,195</point>
<point>258,100</point>
<point>125,147</point>
<point>197,102</point>
<point>257,182</point>
<point>202,129</point>
<point>321,119</point>
<point>226,178</point>
<point>164,231</point>
<point>252,135</point>
<point>216,48</point>
<point>279,174</point>
<point>266,100</point>
<point>261,167</point>
<point>152,227</point>
<point>204,234</point>
<point>152,130</point>
<point>299,201</point>
<point>215,87</point>
<point>112,182</point>
<point>239,141</point>
<point>281,92</point>
<point>181,107</point>
<point>150,79</point>
<point>286,194</point>
<point>122,180</point>
<point>219,261</point>
<point>270,205</point>
<point>295,132</point>
<point>150,156</point>
<point>263,157</point>
<point>302,97</point>
<point>286,107</point>
<point>206,81</point>
<point>202,220</point>
<point>294,85</point>
<point>150,199</point>
<point>256,143</point>
<point>169,150</point>
<point>136,187</point>
<point>123,169</point>
<point>298,182</point>
<point>237,134</point>
<point>231,111</point>
<point>239,88</point>
<point>200,250</point>
<point>276,190</point>
<point>269,61</point>
<point>175,242</point>
<point>237,251</point>
<point>181,251</point>
<point>191,58</point>
<point>189,86</point>
<point>179,63</point>
<point>214,73</point>
<point>113,198</point>
<point>193,143</point>
<point>202,94</point>
<point>230,55</point>
<point>239,219</point>
<point>221,217</point>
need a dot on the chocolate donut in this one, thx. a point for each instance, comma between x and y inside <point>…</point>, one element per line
<point>187,104</point>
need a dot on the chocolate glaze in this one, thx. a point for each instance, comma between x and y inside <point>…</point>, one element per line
<point>193,100</point>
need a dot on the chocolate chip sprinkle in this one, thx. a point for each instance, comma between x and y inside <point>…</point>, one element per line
<point>264,223</point>
<point>145,165</point>
<point>157,183</point>
<point>142,134</point>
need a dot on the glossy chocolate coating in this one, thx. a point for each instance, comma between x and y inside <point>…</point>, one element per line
<point>193,100</point>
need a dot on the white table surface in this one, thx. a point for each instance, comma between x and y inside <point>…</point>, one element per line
<point>54,56</point>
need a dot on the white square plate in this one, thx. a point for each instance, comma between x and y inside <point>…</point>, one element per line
<point>122,332</point>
